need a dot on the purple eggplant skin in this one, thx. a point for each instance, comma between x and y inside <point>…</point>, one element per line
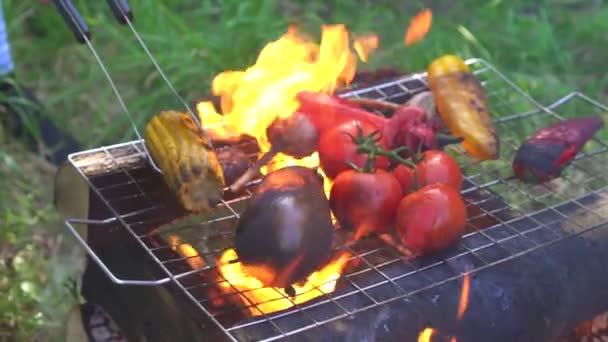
<point>551,149</point>
<point>285,233</point>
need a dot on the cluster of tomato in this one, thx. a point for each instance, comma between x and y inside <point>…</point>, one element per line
<point>375,192</point>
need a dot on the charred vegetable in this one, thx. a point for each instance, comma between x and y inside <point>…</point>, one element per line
<point>463,106</point>
<point>189,165</point>
<point>551,149</point>
<point>408,126</point>
<point>294,136</point>
<point>285,234</point>
<point>234,162</point>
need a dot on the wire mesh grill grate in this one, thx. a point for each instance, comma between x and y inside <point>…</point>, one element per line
<point>506,219</point>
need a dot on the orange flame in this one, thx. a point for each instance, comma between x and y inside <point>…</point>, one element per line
<point>365,44</point>
<point>464,296</point>
<point>268,299</point>
<point>425,335</point>
<point>185,250</point>
<point>419,26</point>
<point>251,99</point>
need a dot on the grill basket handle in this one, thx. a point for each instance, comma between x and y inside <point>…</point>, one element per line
<point>70,224</point>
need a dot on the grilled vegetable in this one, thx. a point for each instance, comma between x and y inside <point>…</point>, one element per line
<point>285,234</point>
<point>434,167</point>
<point>338,148</point>
<point>463,106</point>
<point>328,111</point>
<point>431,219</point>
<point>189,165</point>
<point>365,200</point>
<point>426,101</point>
<point>234,162</point>
<point>408,126</point>
<point>294,136</point>
<point>551,149</point>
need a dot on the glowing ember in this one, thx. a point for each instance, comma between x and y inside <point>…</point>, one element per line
<point>425,335</point>
<point>269,299</point>
<point>419,27</point>
<point>187,251</point>
<point>464,296</point>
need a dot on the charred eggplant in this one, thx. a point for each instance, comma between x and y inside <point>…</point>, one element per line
<point>285,234</point>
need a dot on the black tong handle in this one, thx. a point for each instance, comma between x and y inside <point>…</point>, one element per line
<point>79,27</point>
<point>121,9</point>
<point>73,19</point>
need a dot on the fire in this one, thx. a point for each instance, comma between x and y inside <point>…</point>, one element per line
<point>419,27</point>
<point>268,299</point>
<point>427,333</point>
<point>464,296</point>
<point>251,99</point>
<point>365,44</point>
<point>185,250</point>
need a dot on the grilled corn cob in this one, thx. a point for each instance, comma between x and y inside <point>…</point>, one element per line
<point>189,165</point>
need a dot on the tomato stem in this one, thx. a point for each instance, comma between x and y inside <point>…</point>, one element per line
<point>355,167</point>
<point>369,163</point>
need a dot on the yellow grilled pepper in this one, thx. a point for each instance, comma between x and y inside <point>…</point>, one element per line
<point>189,165</point>
<point>463,106</point>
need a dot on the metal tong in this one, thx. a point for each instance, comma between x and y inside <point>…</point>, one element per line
<point>124,15</point>
<point>78,26</point>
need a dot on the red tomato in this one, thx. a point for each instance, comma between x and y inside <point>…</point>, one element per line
<point>337,149</point>
<point>435,167</point>
<point>431,219</point>
<point>365,202</point>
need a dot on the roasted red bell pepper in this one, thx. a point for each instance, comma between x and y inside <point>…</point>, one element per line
<point>409,126</point>
<point>551,149</point>
<point>327,111</point>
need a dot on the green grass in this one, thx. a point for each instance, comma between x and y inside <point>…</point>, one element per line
<point>548,48</point>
